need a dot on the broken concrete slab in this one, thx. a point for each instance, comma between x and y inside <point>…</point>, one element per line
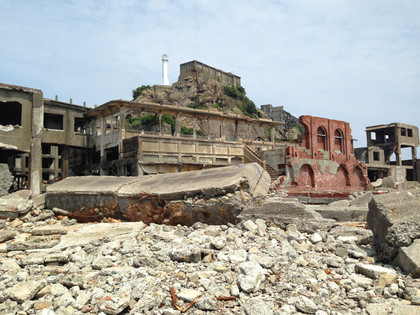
<point>151,198</point>
<point>373,271</point>
<point>408,258</point>
<point>283,211</point>
<point>341,214</point>
<point>394,219</point>
<point>362,200</point>
<point>16,204</point>
<point>49,230</point>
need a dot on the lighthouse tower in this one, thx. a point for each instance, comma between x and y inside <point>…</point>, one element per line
<point>165,60</point>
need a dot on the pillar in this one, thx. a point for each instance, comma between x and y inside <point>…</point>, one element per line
<point>222,130</point>
<point>102,146</point>
<point>160,124</point>
<point>236,129</point>
<point>65,153</point>
<point>177,125</point>
<point>194,127</point>
<point>35,160</point>
<point>208,127</point>
<point>272,133</point>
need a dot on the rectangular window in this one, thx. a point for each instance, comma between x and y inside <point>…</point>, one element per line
<point>372,135</point>
<point>410,132</point>
<point>53,121</point>
<point>403,132</point>
<point>10,113</point>
<point>376,156</point>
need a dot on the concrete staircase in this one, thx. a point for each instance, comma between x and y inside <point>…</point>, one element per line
<point>250,156</point>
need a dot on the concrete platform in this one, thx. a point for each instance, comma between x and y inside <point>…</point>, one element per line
<point>341,214</point>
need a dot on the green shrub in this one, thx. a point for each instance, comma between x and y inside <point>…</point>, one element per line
<point>137,92</point>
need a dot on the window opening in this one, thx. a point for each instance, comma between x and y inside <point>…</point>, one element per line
<point>53,121</point>
<point>322,138</point>
<point>10,113</point>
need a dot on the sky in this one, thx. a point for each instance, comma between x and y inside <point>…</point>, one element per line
<point>351,60</point>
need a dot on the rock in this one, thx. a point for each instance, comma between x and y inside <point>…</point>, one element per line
<point>377,183</point>
<point>49,230</point>
<point>339,203</point>
<point>251,276</point>
<point>394,219</point>
<point>258,306</point>
<point>305,305</point>
<point>250,226</point>
<point>373,271</point>
<point>315,238</point>
<point>114,304</point>
<point>207,303</point>
<point>16,204</point>
<point>189,295</point>
<point>362,201</point>
<point>391,307</point>
<point>408,258</point>
<point>187,253</point>
<point>26,290</point>
<point>386,279</point>
<point>6,235</point>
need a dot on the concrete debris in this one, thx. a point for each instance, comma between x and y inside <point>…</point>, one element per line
<point>217,194</point>
<point>253,267</point>
<point>6,179</point>
<point>408,258</point>
<point>16,204</point>
<point>394,219</point>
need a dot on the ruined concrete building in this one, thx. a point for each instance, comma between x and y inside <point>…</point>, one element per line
<point>40,139</point>
<point>384,152</point>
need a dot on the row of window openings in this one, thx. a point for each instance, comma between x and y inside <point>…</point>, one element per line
<point>405,132</point>
<point>322,139</point>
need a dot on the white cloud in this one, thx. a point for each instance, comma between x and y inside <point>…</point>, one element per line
<point>351,60</point>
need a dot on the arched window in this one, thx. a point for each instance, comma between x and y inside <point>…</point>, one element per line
<point>338,140</point>
<point>306,175</point>
<point>306,138</point>
<point>321,136</point>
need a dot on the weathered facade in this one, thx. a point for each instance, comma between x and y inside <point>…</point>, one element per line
<point>324,162</point>
<point>125,151</point>
<point>383,154</point>
<point>42,140</point>
<point>193,67</point>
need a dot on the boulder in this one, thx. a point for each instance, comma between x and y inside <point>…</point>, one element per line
<point>16,204</point>
<point>394,219</point>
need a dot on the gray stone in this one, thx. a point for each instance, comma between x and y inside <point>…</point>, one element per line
<point>115,304</point>
<point>389,182</point>
<point>14,205</point>
<point>26,290</point>
<point>186,253</point>
<point>339,203</point>
<point>315,238</point>
<point>394,219</point>
<point>305,305</point>
<point>258,306</point>
<point>189,295</point>
<point>207,303</point>
<point>373,271</point>
<point>362,201</point>
<point>392,307</point>
<point>251,276</point>
<point>6,235</point>
<point>49,230</point>
<point>408,258</point>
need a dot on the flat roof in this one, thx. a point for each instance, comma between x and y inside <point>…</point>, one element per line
<point>19,88</point>
<point>391,125</point>
<point>115,106</point>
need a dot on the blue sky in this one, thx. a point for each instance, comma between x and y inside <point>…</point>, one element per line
<point>352,60</point>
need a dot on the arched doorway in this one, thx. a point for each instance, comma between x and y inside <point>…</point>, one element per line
<point>321,138</point>
<point>342,177</point>
<point>306,175</point>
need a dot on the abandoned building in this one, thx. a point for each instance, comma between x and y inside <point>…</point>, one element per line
<point>41,140</point>
<point>384,152</point>
<point>324,164</point>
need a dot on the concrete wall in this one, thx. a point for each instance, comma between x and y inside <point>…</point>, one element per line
<point>208,72</point>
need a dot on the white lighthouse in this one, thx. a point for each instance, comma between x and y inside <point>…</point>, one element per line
<point>165,60</point>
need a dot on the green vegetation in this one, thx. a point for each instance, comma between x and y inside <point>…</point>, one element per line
<point>153,119</point>
<point>247,106</point>
<point>300,128</point>
<point>137,92</point>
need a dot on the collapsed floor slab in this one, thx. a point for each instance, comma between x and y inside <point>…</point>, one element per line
<point>158,198</point>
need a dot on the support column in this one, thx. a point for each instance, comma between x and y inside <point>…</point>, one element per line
<point>65,153</point>
<point>236,129</point>
<point>160,124</point>
<point>416,172</point>
<point>208,128</point>
<point>194,127</point>
<point>102,146</point>
<point>272,134</point>
<point>177,125</point>
<point>35,172</point>
<point>222,130</point>
<point>398,156</point>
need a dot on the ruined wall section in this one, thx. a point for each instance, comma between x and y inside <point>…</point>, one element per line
<point>325,162</point>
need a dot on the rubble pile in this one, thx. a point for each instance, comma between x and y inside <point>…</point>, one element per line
<point>52,265</point>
